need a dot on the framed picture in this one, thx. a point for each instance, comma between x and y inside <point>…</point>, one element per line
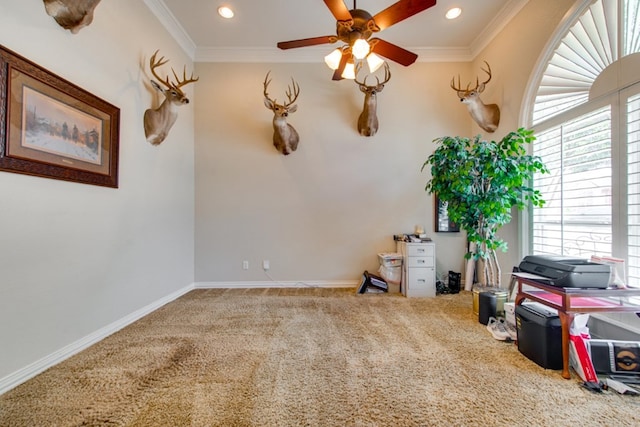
<point>50,127</point>
<point>443,224</point>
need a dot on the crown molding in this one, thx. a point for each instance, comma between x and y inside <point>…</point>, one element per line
<point>171,24</point>
<point>497,24</point>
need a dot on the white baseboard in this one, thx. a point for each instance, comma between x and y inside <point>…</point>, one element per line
<point>16,378</point>
<point>279,284</point>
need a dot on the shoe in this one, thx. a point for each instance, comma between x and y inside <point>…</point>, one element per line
<point>513,333</point>
<point>498,329</point>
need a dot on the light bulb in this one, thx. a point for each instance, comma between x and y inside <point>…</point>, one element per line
<point>374,62</point>
<point>349,71</point>
<point>333,59</point>
<point>453,13</point>
<point>225,12</point>
<point>360,48</point>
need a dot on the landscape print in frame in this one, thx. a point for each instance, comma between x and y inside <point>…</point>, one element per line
<point>50,127</point>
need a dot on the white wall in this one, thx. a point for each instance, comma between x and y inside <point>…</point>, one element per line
<point>75,257</point>
<point>324,212</point>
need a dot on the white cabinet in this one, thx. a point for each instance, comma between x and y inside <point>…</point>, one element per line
<point>418,269</point>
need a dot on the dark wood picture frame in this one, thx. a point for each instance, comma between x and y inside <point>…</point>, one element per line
<point>51,128</point>
<point>442,222</point>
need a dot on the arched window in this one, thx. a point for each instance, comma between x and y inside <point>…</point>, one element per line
<point>586,114</point>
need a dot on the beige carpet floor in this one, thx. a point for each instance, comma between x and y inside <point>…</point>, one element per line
<point>308,357</point>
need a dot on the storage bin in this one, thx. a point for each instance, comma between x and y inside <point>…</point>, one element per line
<point>476,290</point>
<point>388,259</point>
<point>539,334</point>
<point>491,304</point>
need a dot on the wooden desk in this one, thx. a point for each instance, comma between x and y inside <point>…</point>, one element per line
<point>572,301</point>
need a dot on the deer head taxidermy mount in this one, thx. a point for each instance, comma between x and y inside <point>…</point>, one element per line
<point>158,122</point>
<point>486,116</point>
<point>72,15</point>
<point>285,137</point>
<point>368,119</point>
<point>355,27</point>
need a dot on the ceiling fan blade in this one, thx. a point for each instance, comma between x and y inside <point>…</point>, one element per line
<point>307,42</point>
<point>337,74</point>
<point>401,10</point>
<point>393,52</point>
<point>339,10</point>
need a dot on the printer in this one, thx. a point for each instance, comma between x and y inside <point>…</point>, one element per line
<point>567,272</point>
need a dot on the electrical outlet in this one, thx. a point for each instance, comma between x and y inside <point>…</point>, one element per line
<point>245,265</point>
<point>265,264</point>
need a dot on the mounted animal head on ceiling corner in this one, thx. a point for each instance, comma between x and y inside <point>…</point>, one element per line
<point>72,15</point>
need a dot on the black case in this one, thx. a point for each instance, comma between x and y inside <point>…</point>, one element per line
<point>372,284</point>
<point>539,334</point>
<point>615,357</point>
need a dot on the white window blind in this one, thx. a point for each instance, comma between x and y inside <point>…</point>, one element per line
<point>576,219</point>
<point>633,190</point>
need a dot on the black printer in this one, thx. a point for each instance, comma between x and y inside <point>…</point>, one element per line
<point>566,272</point>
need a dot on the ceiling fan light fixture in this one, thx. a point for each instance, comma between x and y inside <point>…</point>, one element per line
<point>333,59</point>
<point>349,71</point>
<point>374,62</point>
<point>453,13</point>
<point>360,48</point>
<point>225,12</point>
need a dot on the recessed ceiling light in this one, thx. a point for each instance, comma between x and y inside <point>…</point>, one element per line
<point>225,12</point>
<point>453,13</point>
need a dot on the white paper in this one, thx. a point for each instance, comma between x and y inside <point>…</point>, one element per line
<point>531,276</point>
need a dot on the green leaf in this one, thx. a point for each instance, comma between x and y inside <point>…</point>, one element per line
<point>482,181</point>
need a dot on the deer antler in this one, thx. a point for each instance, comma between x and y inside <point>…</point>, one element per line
<point>358,68</point>
<point>296,92</point>
<point>488,72</point>
<point>184,81</point>
<point>478,85</point>
<point>153,64</point>
<point>387,77</point>
<point>265,84</point>
<point>292,94</point>
<point>453,84</point>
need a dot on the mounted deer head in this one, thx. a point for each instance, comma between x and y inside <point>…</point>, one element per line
<point>158,122</point>
<point>71,15</point>
<point>368,119</point>
<point>487,116</point>
<point>285,137</point>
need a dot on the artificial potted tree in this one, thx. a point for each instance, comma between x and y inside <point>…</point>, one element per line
<point>481,181</point>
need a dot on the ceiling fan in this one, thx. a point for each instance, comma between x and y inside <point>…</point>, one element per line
<point>355,27</point>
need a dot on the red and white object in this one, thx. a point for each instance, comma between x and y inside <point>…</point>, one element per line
<point>579,355</point>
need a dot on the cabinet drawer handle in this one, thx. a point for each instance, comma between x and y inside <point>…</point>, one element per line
<point>421,250</point>
<point>422,281</point>
<point>420,261</point>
